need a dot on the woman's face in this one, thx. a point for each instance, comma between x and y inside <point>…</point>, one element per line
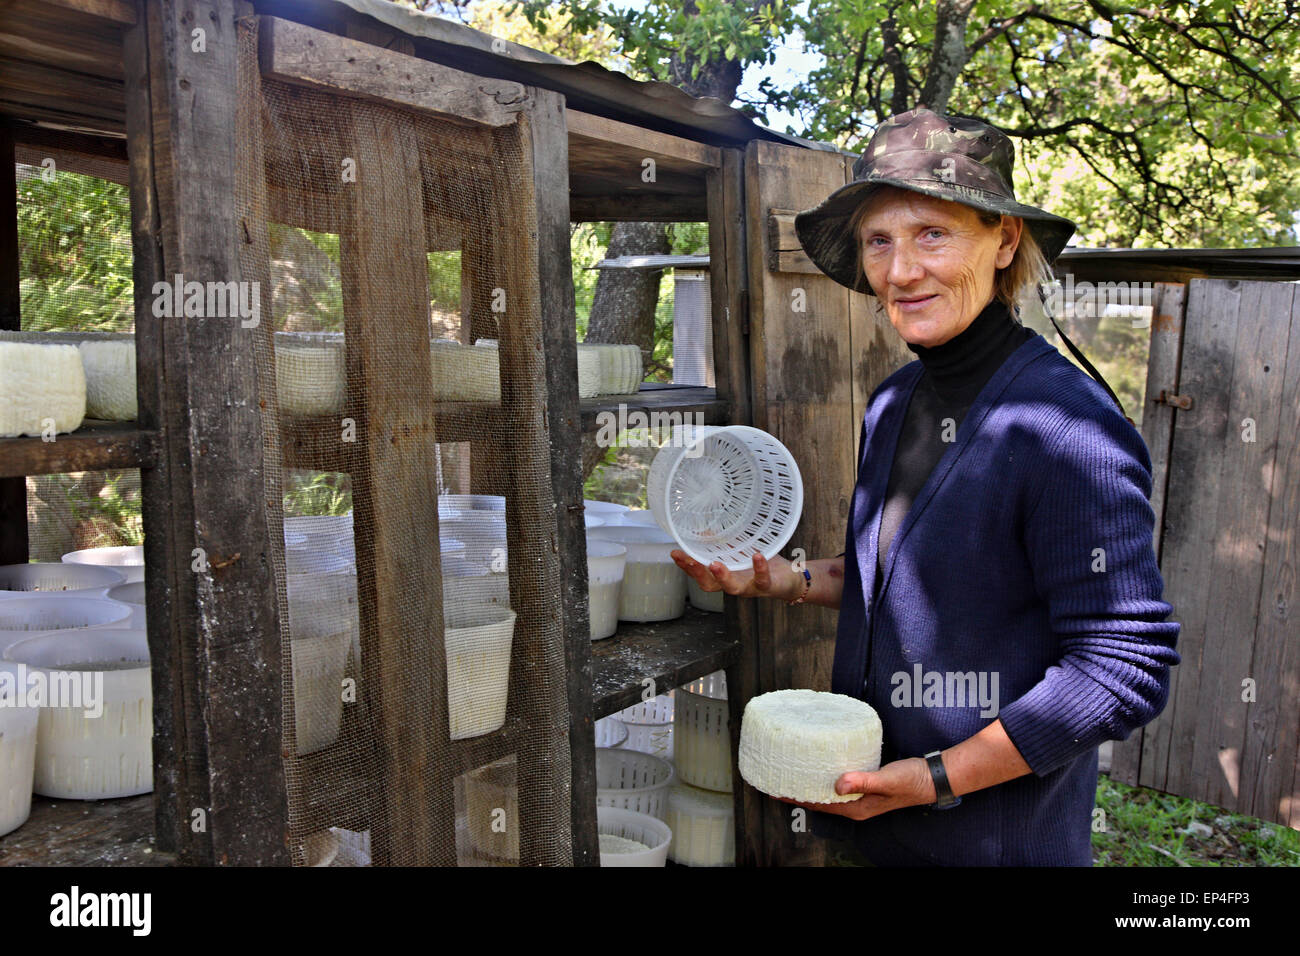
<point>931,262</point>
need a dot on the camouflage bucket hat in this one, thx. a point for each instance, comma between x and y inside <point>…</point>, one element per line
<point>949,157</point>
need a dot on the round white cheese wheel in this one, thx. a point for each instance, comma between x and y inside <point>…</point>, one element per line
<point>42,388</point>
<point>110,379</point>
<point>797,743</point>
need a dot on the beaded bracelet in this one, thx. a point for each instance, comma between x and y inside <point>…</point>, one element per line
<point>807,586</point>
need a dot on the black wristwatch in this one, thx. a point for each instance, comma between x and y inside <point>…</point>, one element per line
<point>946,799</point>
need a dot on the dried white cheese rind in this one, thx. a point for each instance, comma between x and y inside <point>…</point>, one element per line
<point>110,379</point>
<point>609,843</point>
<point>40,385</point>
<point>797,743</point>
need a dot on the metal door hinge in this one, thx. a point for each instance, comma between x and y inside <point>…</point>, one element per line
<point>1177,401</point>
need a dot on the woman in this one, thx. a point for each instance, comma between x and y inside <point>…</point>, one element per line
<point>1000,604</point>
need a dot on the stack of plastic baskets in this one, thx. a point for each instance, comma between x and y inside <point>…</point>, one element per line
<point>650,726</point>
<point>700,808</point>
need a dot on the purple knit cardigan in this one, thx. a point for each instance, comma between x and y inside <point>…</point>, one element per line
<point>1026,563</point>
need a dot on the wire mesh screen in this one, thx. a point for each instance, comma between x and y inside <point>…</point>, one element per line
<point>419,580</point>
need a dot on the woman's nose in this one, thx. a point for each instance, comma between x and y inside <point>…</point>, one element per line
<point>904,266</point>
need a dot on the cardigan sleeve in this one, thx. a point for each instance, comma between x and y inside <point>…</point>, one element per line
<point>1089,543</point>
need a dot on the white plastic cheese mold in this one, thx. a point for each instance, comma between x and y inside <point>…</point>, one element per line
<point>797,743</point>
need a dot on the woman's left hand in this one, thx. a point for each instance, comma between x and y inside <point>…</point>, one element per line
<point>902,783</point>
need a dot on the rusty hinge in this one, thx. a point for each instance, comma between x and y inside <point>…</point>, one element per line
<point>1177,401</point>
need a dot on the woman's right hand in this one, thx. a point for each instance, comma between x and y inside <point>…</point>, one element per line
<point>773,579</point>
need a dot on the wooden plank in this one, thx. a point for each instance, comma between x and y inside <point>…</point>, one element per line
<point>588,132</point>
<point>13,488</point>
<point>628,205</point>
<point>670,653</point>
<point>35,32</point>
<point>1200,464</point>
<point>784,251</point>
<point>1259,339</point>
<point>95,446</point>
<point>728,284</point>
<point>538,512</point>
<point>390,391</point>
<point>116,11</point>
<point>1163,357</point>
<point>78,94</point>
<point>799,322</point>
<point>550,162</point>
<point>298,54</point>
<point>678,400</point>
<point>164,505</point>
<point>1270,763</point>
<point>224,620</point>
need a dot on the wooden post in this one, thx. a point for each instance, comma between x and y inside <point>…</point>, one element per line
<point>390,390</point>
<point>213,623</point>
<point>550,160</point>
<point>13,491</point>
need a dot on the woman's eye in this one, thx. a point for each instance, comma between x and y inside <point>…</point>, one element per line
<point>934,233</point>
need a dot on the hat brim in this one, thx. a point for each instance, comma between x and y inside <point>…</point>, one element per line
<point>823,230</point>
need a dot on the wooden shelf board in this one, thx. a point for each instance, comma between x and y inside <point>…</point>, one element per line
<point>85,833</point>
<point>657,399</point>
<point>94,446</point>
<point>671,653</point>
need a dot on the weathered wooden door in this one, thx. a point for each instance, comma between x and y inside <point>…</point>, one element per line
<point>1226,495</point>
<point>816,353</point>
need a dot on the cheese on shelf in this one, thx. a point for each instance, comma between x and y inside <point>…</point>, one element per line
<point>41,387</point>
<point>110,379</point>
<point>797,743</point>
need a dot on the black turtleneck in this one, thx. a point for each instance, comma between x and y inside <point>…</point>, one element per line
<point>955,373</point>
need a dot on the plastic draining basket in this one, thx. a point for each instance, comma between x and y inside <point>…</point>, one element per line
<point>633,781</point>
<point>724,492</point>
<point>654,834</point>
<point>650,726</point>
<point>701,742</point>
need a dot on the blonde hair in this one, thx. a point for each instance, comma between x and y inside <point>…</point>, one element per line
<point>1020,280</point>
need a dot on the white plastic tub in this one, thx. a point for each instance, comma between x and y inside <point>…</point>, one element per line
<point>477,639</point>
<point>69,580</point>
<point>650,726</point>
<point>492,809</point>
<point>102,748</point>
<point>132,595</point>
<point>703,825</point>
<point>610,732</point>
<point>639,517</point>
<point>602,509</point>
<point>704,600</point>
<point>605,564</point>
<point>17,751</point>
<point>24,617</point>
<point>654,587</point>
<point>633,781</point>
<point>484,535</point>
<point>128,559</point>
<point>701,739</point>
<point>323,626</point>
<point>630,825</point>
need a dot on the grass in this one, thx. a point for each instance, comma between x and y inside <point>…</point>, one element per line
<point>1148,828</point>
<point>1144,827</point>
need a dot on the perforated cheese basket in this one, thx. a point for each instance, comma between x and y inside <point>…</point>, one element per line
<point>641,827</point>
<point>701,740</point>
<point>633,781</point>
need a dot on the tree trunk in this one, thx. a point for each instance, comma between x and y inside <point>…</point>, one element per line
<point>623,309</point>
